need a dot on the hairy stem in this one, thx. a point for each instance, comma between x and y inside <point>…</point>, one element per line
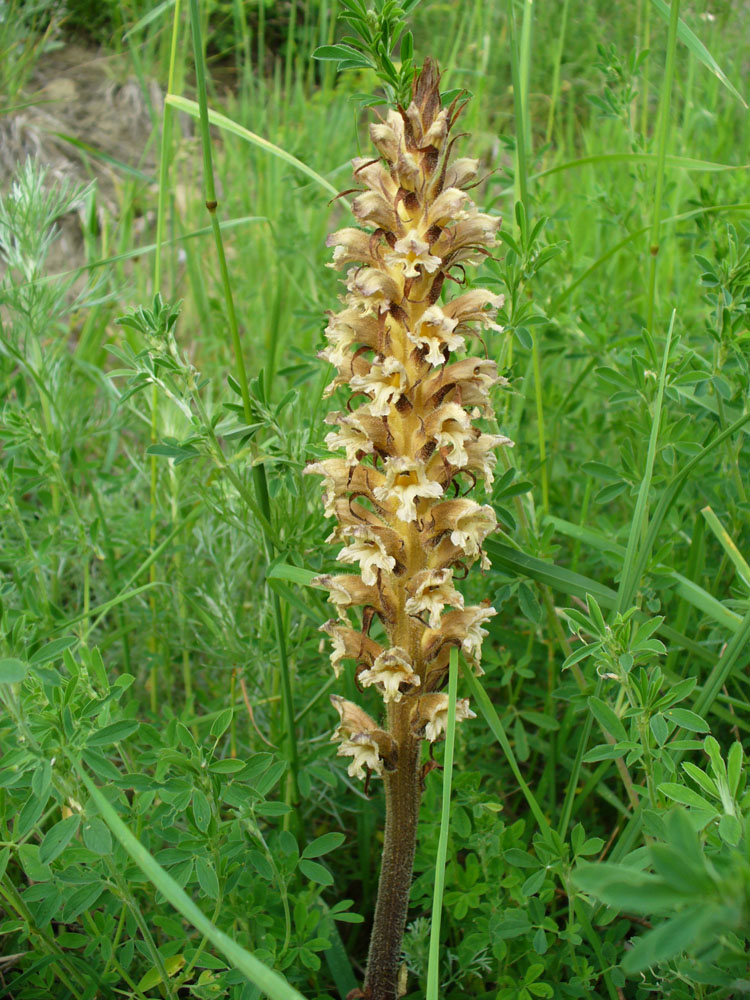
<point>402,795</point>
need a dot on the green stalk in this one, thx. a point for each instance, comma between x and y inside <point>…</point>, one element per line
<point>259,472</point>
<point>555,96</point>
<point>630,569</point>
<point>736,646</point>
<point>661,152</point>
<point>433,969</point>
<point>646,21</point>
<point>166,133</point>
<point>522,172</point>
<point>672,491</point>
<point>526,25</point>
<point>695,560</point>
<point>153,483</point>
<point>520,77</point>
<point>493,721</point>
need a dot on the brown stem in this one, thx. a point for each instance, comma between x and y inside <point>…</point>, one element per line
<point>402,795</point>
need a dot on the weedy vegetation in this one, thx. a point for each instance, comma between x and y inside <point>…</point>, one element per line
<point>540,363</point>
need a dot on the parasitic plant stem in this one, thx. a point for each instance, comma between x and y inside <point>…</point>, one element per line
<point>402,795</point>
<point>412,450</point>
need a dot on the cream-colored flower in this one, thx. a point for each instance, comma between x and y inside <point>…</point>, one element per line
<point>438,130</point>
<point>352,719</point>
<point>482,457</point>
<point>361,739</point>
<point>472,232</point>
<point>374,209</point>
<point>329,489</point>
<point>368,550</point>
<point>434,330</point>
<point>346,590</point>
<point>338,354</point>
<point>389,671</point>
<point>349,644</point>
<point>468,380</point>
<point>470,308</point>
<point>351,246</point>
<point>388,136</point>
<point>338,653</point>
<point>373,291</point>
<point>409,171</point>
<point>461,171</point>
<point>385,383</point>
<point>431,590</point>
<point>406,482</point>
<point>447,207</point>
<point>471,528</point>
<point>412,252</point>
<point>364,753</point>
<point>475,634</point>
<point>432,714</point>
<point>450,427</point>
<point>341,478</point>
<point>352,437</point>
<point>371,172</point>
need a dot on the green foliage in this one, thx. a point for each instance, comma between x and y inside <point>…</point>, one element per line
<point>378,30</point>
<point>597,838</point>
<point>27,31</point>
<point>699,885</point>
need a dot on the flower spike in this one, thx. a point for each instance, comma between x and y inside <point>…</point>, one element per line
<point>407,446</point>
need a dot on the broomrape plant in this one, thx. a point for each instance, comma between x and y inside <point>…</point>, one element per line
<point>411,452</point>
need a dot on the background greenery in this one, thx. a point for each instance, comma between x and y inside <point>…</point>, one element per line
<point>160,660</point>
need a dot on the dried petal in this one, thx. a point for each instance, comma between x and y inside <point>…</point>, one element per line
<point>349,644</point>
<point>352,719</point>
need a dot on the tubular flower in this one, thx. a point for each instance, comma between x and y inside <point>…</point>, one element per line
<point>408,443</point>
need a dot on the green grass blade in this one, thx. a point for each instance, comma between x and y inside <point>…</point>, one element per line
<point>100,154</point>
<point>670,160</point>
<point>481,698</point>
<point>699,50</point>
<point>564,581</point>
<point>153,15</point>
<point>737,645</point>
<point>264,978</point>
<point>631,238</point>
<point>629,577</point>
<point>726,542</point>
<point>685,588</point>
<point>258,470</point>
<point>283,571</point>
<point>662,134</point>
<point>142,250</point>
<point>671,493</point>
<point>337,958</point>
<point>433,968</point>
<point>222,122</point>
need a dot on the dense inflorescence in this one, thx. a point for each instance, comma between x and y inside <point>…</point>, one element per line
<point>412,448</point>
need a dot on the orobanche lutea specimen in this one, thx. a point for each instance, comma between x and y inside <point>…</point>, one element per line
<point>410,454</point>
